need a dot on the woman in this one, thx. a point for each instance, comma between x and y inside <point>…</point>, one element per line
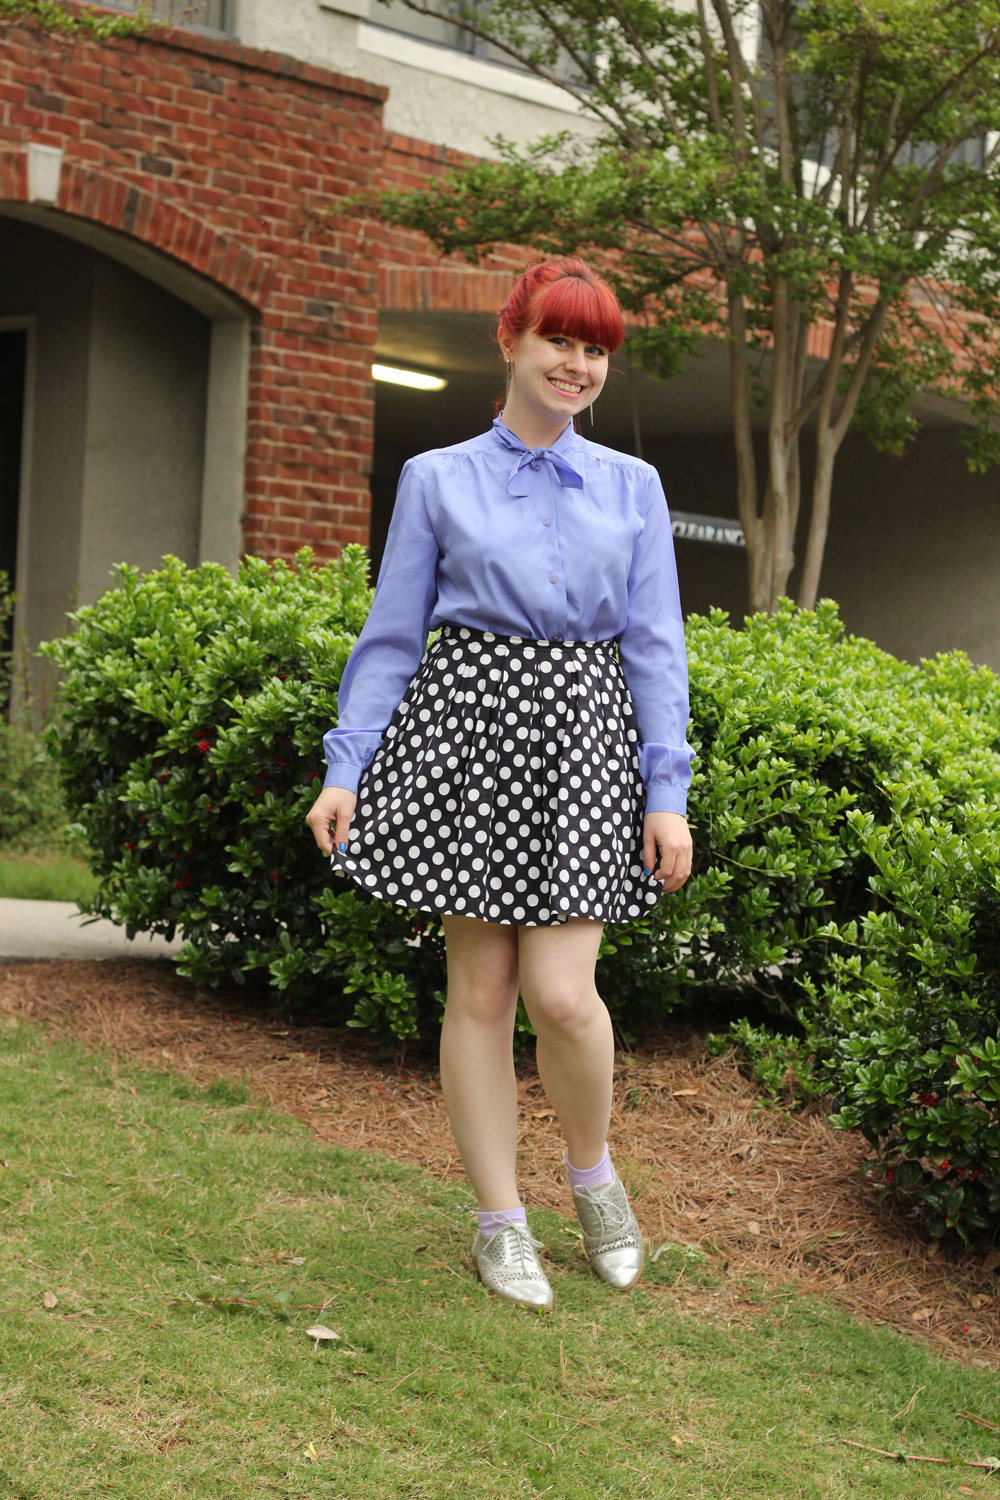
<point>517,777</point>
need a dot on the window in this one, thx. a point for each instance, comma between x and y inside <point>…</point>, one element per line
<point>398,17</point>
<point>201,15</point>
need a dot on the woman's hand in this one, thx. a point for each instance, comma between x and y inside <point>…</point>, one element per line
<point>670,831</point>
<point>335,804</point>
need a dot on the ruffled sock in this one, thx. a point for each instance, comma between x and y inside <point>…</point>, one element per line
<point>588,1177</point>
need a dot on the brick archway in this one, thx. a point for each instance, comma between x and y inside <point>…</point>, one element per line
<point>114,204</point>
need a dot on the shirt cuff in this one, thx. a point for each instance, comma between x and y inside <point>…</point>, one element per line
<point>343,775</point>
<point>666,798</point>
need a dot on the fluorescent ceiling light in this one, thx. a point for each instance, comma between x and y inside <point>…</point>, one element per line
<point>414,378</point>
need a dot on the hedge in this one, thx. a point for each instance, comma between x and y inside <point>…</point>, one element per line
<point>845,815</point>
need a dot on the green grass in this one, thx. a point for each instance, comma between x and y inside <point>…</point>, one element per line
<point>130,1195</point>
<point>45,877</point>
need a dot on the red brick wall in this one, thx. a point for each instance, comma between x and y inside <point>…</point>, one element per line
<point>412,277</point>
<point>229,159</point>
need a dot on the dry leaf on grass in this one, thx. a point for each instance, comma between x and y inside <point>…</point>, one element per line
<point>321,1333</point>
<point>50,1300</point>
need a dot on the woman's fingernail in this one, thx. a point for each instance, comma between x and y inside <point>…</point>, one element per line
<point>645,869</point>
<point>343,848</point>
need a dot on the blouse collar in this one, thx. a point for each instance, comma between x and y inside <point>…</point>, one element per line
<point>565,456</point>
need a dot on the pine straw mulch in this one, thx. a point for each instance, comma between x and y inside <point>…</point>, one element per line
<point>771,1194</point>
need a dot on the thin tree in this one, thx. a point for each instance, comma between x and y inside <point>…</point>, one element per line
<point>817,183</point>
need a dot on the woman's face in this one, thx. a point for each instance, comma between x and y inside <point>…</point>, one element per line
<point>556,374</point>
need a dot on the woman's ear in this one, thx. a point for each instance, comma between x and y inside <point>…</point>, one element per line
<point>506,344</point>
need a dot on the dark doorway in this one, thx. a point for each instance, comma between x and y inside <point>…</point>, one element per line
<point>13,350</point>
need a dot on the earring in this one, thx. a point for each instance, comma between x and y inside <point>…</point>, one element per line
<point>506,386</point>
<point>591,410</point>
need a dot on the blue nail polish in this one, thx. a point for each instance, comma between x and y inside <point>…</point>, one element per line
<point>343,848</point>
<point>645,869</point>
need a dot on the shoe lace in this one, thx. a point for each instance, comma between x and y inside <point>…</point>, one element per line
<point>605,1218</point>
<point>524,1238</point>
<point>518,1248</point>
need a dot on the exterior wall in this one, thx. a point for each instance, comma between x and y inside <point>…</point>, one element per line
<point>913,553</point>
<point>438,96</point>
<point>145,437</point>
<point>226,161</point>
<point>115,403</point>
<point>47,280</point>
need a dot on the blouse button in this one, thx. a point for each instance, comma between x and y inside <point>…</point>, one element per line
<point>553,578</point>
<point>535,463</point>
<point>547,523</point>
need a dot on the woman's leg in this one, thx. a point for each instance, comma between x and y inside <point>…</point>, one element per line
<point>575,1048</point>
<point>477,1062</point>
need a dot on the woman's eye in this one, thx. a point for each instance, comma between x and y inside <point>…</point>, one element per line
<point>596,349</point>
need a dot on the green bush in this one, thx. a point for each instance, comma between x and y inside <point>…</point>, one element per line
<point>845,812</point>
<point>189,742</point>
<point>32,812</point>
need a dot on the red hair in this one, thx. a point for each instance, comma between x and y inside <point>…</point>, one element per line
<point>564,296</point>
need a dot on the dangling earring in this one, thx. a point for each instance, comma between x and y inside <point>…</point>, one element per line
<point>591,410</point>
<point>506,385</point>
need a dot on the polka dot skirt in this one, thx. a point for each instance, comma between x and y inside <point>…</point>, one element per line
<point>506,787</point>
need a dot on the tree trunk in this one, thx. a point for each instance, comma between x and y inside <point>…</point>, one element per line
<point>759,551</point>
<point>819,519</point>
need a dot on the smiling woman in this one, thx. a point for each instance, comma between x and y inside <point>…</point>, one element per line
<point>524,777</point>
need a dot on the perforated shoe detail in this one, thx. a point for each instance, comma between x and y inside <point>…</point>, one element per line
<point>612,1238</point>
<point>508,1264</point>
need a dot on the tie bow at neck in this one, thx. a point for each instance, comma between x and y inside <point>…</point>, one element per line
<point>528,462</point>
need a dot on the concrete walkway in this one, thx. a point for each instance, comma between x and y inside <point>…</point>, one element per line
<point>54,929</point>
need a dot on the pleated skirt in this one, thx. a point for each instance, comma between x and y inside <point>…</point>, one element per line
<point>506,787</point>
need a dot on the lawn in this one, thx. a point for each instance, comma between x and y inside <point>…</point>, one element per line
<point>190,1238</point>
<point>45,877</point>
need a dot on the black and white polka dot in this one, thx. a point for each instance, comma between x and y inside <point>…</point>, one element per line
<point>506,787</point>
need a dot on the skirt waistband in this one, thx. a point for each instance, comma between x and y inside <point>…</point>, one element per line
<point>452,630</point>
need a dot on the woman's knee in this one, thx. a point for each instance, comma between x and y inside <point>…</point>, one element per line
<point>562,1009</point>
<point>483,998</point>
<point>482,970</point>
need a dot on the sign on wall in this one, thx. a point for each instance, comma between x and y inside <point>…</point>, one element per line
<point>718,529</point>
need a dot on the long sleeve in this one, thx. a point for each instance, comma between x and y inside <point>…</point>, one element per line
<point>392,640</point>
<point>654,660</point>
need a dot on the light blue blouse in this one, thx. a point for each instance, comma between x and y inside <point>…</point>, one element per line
<point>571,542</point>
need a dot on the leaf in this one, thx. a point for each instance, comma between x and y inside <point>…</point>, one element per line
<point>297,1260</point>
<point>311,1453</point>
<point>683,1093</point>
<point>753,1227</point>
<point>50,1300</point>
<point>321,1333</point>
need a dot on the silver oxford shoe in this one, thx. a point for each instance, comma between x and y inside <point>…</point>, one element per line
<point>508,1264</point>
<point>612,1238</point>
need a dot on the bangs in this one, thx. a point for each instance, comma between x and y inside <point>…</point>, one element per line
<point>581,309</point>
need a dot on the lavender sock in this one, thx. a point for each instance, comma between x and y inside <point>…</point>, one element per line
<point>491,1221</point>
<point>588,1177</point>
